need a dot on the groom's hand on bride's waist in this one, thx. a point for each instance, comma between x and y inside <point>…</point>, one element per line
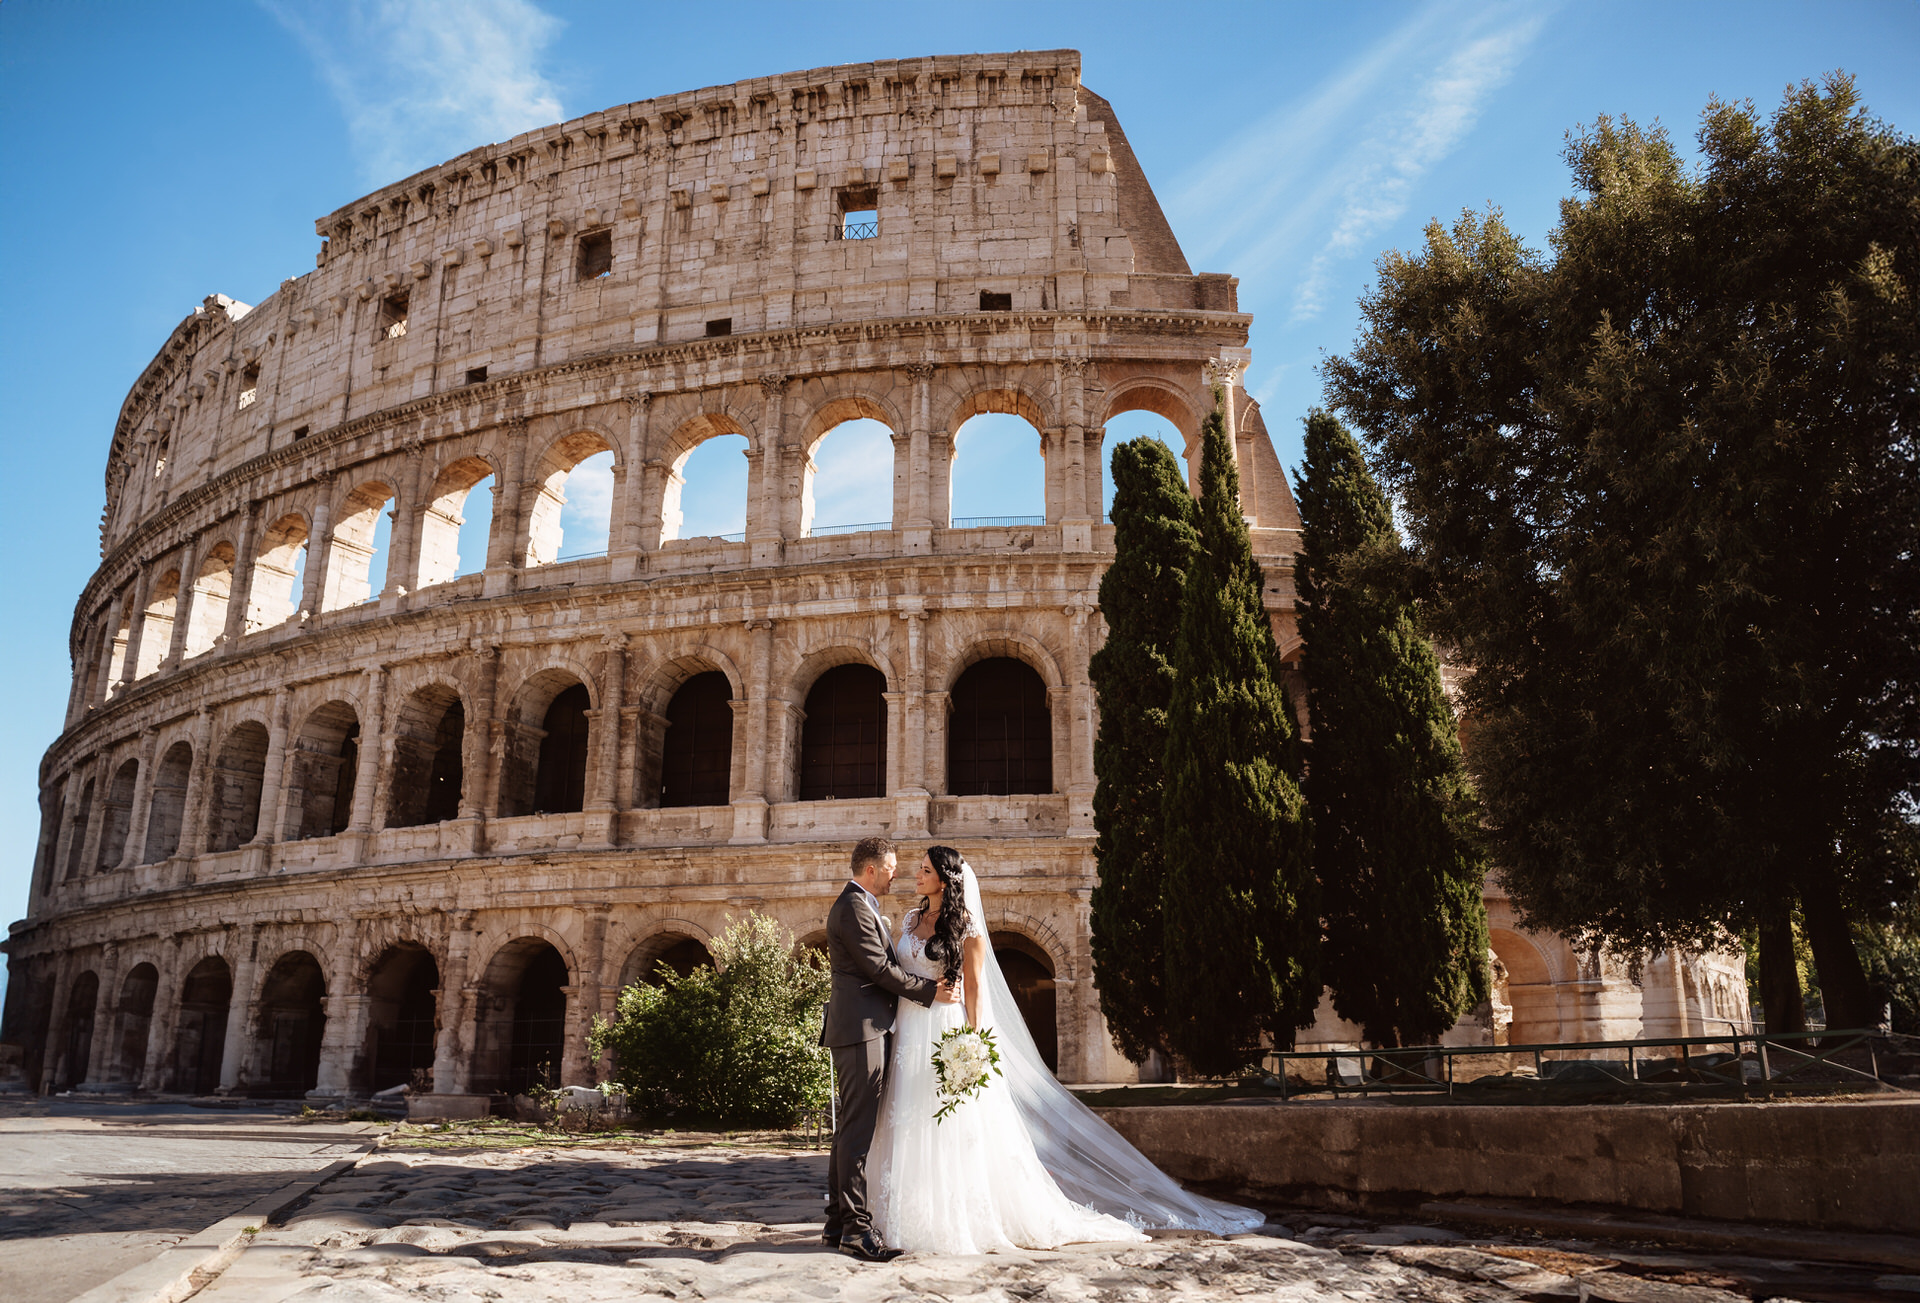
<point>946,994</point>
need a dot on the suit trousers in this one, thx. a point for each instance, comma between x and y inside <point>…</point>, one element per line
<point>861,1072</point>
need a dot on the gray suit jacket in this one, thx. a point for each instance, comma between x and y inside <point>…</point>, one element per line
<point>867,979</point>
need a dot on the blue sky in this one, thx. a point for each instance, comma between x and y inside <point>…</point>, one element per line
<point>154,154</point>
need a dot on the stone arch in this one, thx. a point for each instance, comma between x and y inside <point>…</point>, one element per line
<point>1032,959</point>
<point>133,1020</point>
<point>680,662</point>
<point>1001,396</point>
<point>999,730</point>
<point>325,755</point>
<point>521,1012</point>
<point>674,941</point>
<point>77,839</point>
<point>270,597</point>
<point>200,1026</point>
<point>349,579</point>
<point>686,439</point>
<point>834,652</point>
<point>83,1007</point>
<point>547,485</point>
<point>656,698</point>
<point>1527,988</point>
<point>843,730</point>
<point>1160,396</point>
<point>402,984</point>
<point>156,634</point>
<point>211,595</point>
<point>167,803</point>
<point>442,516</point>
<point>826,416</point>
<point>117,820</point>
<point>239,772</point>
<point>545,763</point>
<point>428,757</point>
<point>1010,643</point>
<point>289,1022</point>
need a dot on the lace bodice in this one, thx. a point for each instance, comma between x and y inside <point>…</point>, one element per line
<point>913,951</point>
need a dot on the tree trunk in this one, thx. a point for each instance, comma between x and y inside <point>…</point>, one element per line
<point>1843,979</point>
<point>1779,976</point>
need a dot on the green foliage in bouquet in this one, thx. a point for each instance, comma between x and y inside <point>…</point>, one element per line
<point>733,1047</point>
<point>963,1061</point>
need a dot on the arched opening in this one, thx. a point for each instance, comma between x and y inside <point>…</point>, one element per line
<point>212,591</point>
<point>1000,731</point>
<point>117,820</point>
<point>233,810</point>
<point>401,995</point>
<point>357,556</point>
<point>998,476</point>
<point>326,756</point>
<point>117,660</point>
<point>676,951</point>
<point>847,480</point>
<point>81,1003</point>
<point>1135,422</point>
<point>1524,984</point>
<point>523,1016</point>
<point>574,501</point>
<point>696,758</point>
<point>167,807</point>
<point>843,740</point>
<point>156,635</point>
<point>134,1021</point>
<point>292,1021</point>
<point>274,594</point>
<point>77,839</point>
<point>200,1036</point>
<point>1029,972</point>
<point>428,767</point>
<point>545,768</point>
<point>458,523</point>
<point>706,495</point>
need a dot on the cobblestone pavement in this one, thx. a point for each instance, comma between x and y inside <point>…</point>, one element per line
<point>653,1222</point>
<point>91,1188</point>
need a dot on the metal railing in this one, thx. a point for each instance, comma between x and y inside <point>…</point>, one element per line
<point>858,230</point>
<point>988,522</point>
<point>1759,1060</point>
<point>821,531</point>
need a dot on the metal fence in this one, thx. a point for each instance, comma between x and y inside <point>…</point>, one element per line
<point>989,522</point>
<point>1828,1060</point>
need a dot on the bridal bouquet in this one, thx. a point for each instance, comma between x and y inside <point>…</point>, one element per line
<point>963,1060</point>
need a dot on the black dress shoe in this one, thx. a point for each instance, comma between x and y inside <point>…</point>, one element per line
<point>830,1237</point>
<point>868,1248</point>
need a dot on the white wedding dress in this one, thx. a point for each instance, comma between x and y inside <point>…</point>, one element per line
<point>1021,1164</point>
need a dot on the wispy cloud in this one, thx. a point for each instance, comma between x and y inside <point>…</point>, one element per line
<point>1303,192</point>
<point>423,80</point>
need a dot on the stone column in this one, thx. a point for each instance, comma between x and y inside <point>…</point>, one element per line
<point>166,1011</point>
<point>910,794</point>
<point>1223,373</point>
<point>70,829</point>
<point>267,829</point>
<point>373,733</point>
<point>626,540</point>
<point>137,625</point>
<point>504,546</point>
<point>766,515</point>
<point>97,817</point>
<point>183,600</point>
<point>103,682</point>
<point>138,817</point>
<point>1073,506</point>
<point>403,540</point>
<point>483,747</point>
<point>193,822</point>
<point>106,1009</point>
<point>1093,453</point>
<point>1076,776</point>
<point>577,1063</point>
<point>603,773</point>
<point>938,706</point>
<point>240,1012</point>
<point>241,594</point>
<point>750,805</point>
<point>919,520</point>
<point>346,1029</point>
<point>452,1068</point>
<point>56,1024</point>
<point>319,549</point>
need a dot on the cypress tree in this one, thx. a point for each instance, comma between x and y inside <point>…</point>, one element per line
<point>1242,925</point>
<point>1394,843</point>
<point>1155,536</point>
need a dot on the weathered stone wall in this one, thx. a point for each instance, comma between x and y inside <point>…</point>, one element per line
<point>265,759</point>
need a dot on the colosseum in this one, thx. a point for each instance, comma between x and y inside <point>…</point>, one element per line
<point>315,830</point>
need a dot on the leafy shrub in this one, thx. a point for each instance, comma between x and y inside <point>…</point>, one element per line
<point>733,1047</point>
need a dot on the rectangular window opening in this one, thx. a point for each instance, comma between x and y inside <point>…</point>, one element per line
<point>596,255</point>
<point>991,302</point>
<point>301,431</point>
<point>393,316</point>
<point>860,224</point>
<point>249,386</point>
<point>859,209</point>
<point>476,375</point>
<point>719,326</point>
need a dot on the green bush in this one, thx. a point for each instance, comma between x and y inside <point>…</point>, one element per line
<point>733,1047</point>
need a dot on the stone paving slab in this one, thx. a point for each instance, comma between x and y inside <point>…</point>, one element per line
<point>651,1223</point>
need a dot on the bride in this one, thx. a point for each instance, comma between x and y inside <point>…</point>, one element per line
<point>1022,1163</point>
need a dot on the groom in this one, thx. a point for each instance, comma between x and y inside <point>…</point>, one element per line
<point>867,985</point>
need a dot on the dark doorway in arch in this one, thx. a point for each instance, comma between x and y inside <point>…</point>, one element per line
<point>80,1014</point>
<point>118,820</point>
<point>292,1021</point>
<point>428,767</point>
<point>326,755</point>
<point>77,839</point>
<point>167,807</point>
<point>1030,973</point>
<point>843,742</point>
<point>539,1024</point>
<point>681,954</point>
<point>1000,734</point>
<point>560,786</point>
<point>401,1023</point>
<point>233,815</point>
<point>133,1020</point>
<point>200,1038</point>
<point>696,761</point>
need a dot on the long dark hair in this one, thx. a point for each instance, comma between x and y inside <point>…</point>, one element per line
<point>950,928</point>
